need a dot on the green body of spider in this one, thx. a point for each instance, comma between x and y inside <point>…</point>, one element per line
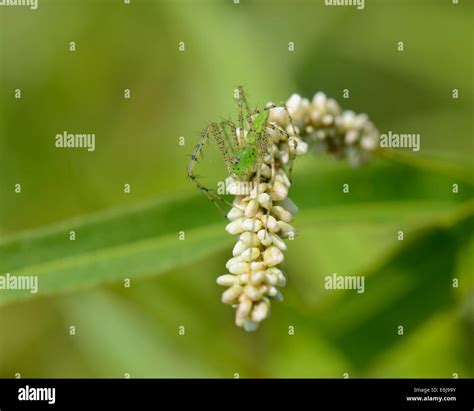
<point>243,145</point>
<point>244,162</point>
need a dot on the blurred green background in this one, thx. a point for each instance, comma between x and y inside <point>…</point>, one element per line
<point>136,330</point>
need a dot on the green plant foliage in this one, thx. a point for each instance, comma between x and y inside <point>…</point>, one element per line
<point>136,236</point>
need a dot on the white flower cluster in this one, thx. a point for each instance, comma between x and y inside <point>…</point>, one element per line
<point>261,215</point>
<point>262,212</point>
<point>324,125</point>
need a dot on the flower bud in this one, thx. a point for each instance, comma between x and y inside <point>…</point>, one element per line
<point>264,237</point>
<point>286,229</point>
<point>250,325</point>
<point>250,254</point>
<point>251,224</point>
<point>257,266</point>
<point>252,292</point>
<point>231,295</point>
<point>239,268</point>
<point>238,248</point>
<point>279,191</point>
<point>264,200</point>
<point>235,213</point>
<point>249,239</point>
<point>235,227</point>
<point>278,242</point>
<point>258,277</point>
<point>282,214</point>
<point>260,311</point>
<point>270,223</point>
<point>272,256</point>
<point>244,308</point>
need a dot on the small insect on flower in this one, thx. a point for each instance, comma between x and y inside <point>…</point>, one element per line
<point>243,146</point>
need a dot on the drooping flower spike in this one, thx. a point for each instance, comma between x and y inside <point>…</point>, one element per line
<point>259,152</point>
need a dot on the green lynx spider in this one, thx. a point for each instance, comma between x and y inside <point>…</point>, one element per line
<point>244,147</point>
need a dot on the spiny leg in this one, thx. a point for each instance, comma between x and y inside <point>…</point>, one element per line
<point>243,98</point>
<point>273,126</point>
<point>259,138</point>
<point>250,120</point>
<point>192,164</point>
<point>292,156</point>
<point>234,143</point>
<point>291,144</point>
<point>264,146</point>
<point>291,141</point>
<point>271,106</point>
<point>213,197</point>
<point>243,104</point>
<point>219,136</point>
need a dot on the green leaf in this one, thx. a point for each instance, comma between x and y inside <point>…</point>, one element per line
<point>109,246</point>
<point>408,288</point>
<point>144,240</point>
<point>117,337</point>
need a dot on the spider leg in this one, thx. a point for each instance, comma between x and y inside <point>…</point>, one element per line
<point>213,197</point>
<point>292,132</point>
<point>264,145</point>
<point>271,183</point>
<point>276,128</point>
<point>219,135</point>
<point>251,127</point>
<point>243,97</point>
<point>234,143</point>
<point>243,105</point>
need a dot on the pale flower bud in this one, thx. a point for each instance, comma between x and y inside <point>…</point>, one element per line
<point>264,237</point>
<point>231,295</point>
<point>264,200</point>
<point>272,256</point>
<point>235,227</point>
<point>270,223</point>
<point>249,239</point>
<point>250,254</point>
<point>244,308</point>
<point>252,208</point>
<point>279,191</point>
<point>282,214</point>
<point>252,292</point>
<point>239,268</point>
<point>277,241</point>
<point>257,266</point>
<point>238,248</point>
<point>228,280</point>
<point>251,224</point>
<point>260,312</point>
<point>235,213</point>
<point>258,277</point>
